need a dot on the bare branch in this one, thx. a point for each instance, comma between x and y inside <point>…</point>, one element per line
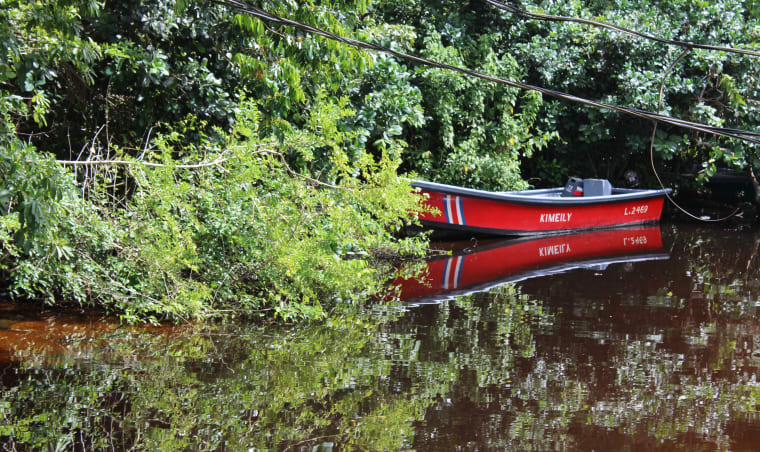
<point>216,162</point>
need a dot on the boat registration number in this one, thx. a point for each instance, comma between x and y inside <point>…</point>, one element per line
<point>635,240</point>
<point>636,210</point>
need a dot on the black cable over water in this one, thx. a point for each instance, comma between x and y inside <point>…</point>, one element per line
<point>552,18</point>
<point>687,47</point>
<point>739,134</point>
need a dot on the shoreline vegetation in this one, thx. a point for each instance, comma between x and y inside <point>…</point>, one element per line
<point>246,235</point>
<point>173,160</point>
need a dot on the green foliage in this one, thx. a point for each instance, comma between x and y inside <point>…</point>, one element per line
<point>44,49</point>
<point>79,65</point>
<point>391,102</point>
<point>301,138</point>
<point>283,215</point>
<point>711,87</point>
<point>246,235</point>
<point>31,187</point>
<point>475,132</point>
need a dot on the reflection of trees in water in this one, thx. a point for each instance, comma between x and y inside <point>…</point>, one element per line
<point>480,343</point>
<point>725,270</point>
<point>647,355</point>
<point>231,387</point>
<point>634,358</point>
<point>662,396</point>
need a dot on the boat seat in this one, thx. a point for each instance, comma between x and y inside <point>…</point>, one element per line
<point>597,187</point>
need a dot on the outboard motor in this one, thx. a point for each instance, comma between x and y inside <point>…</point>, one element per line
<point>573,187</point>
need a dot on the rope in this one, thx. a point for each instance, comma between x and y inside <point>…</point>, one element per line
<point>651,150</point>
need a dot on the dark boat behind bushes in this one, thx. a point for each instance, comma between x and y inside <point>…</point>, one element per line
<point>582,204</point>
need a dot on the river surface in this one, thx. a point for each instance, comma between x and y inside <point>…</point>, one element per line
<point>642,339</point>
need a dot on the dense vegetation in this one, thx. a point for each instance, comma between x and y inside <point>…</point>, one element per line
<point>216,163</point>
<point>717,88</point>
<point>200,183</point>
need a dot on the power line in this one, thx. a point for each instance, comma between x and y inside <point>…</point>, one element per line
<point>739,134</point>
<point>687,45</point>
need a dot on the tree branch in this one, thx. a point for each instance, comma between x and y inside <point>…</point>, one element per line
<point>216,162</point>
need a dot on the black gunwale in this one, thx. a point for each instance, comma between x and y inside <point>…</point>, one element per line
<point>539,198</point>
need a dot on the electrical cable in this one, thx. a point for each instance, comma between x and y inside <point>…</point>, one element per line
<point>688,45</point>
<point>739,134</point>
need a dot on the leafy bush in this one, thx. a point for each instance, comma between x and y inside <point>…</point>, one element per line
<point>474,132</point>
<point>716,88</point>
<point>284,212</point>
<point>243,234</point>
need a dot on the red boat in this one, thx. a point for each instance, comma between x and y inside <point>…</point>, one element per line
<point>581,204</point>
<point>473,269</point>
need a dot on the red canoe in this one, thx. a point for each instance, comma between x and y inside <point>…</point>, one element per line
<point>491,264</point>
<point>543,211</point>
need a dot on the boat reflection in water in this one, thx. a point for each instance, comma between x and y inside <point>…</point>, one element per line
<point>478,266</point>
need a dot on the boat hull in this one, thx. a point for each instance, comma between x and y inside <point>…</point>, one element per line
<point>536,211</point>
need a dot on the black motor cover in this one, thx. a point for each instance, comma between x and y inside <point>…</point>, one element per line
<point>573,187</point>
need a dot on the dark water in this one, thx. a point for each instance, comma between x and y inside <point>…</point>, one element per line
<point>635,340</point>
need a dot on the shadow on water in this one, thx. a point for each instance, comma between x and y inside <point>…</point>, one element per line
<point>622,340</point>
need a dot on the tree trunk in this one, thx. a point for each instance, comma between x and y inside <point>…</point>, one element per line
<point>755,184</point>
